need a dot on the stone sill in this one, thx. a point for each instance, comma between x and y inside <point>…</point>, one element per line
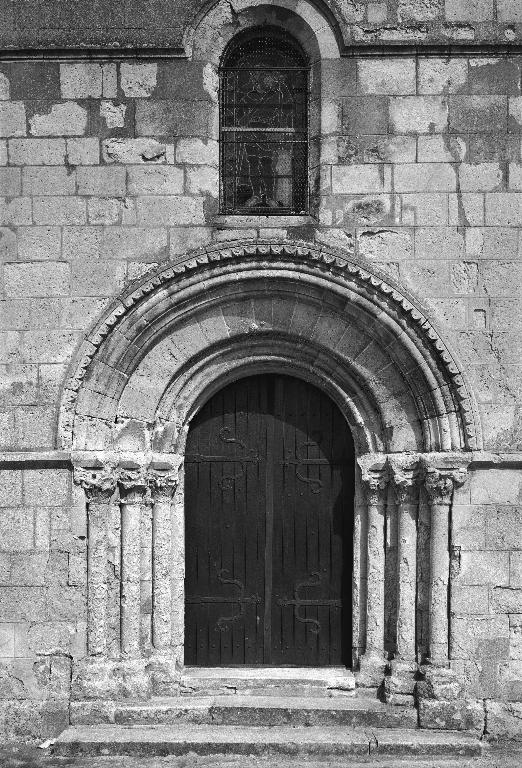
<point>265,222</point>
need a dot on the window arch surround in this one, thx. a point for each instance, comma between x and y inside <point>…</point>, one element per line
<point>264,96</point>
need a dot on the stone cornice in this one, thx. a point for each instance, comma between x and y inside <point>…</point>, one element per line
<point>300,255</point>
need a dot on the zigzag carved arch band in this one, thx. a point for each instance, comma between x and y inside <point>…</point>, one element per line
<point>410,367</point>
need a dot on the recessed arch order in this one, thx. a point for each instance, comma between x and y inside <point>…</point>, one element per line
<point>184,330</point>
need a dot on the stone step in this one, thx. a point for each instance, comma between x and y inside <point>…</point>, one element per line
<point>316,741</point>
<point>246,710</point>
<point>288,681</point>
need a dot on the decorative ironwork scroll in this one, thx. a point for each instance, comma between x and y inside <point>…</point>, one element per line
<point>223,622</point>
<point>227,481</point>
<point>314,580</point>
<point>315,483</point>
<point>263,128</point>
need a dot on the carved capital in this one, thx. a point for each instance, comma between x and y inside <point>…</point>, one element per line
<point>375,484</point>
<point>99,484</point>
<point>440,483</point>
<point>133,486</point>
<point>405,484</point>
<point>162,484</point>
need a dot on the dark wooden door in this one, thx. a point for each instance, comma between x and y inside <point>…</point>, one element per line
<point>269,472</point>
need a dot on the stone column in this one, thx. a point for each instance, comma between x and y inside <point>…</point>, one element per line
<point>375,484</point>
<point>163,486</point>
<point>440,484</point>
<point>406,490</point>
<point>99,486</point>
<point>133,490</point>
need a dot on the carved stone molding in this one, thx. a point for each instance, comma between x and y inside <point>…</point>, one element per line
<point>375,484</point>
<point>440,484</point>
<point>134,486</point>
<point>380,290</point>
<point>99,484</point>
<point>162,484</point>
<point>405,482</point>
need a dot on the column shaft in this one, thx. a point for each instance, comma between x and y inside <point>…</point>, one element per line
<point>375,588</point>
<point>439,580</point>
<point>407,579</point>
<point>163,489</point>
<point>130,577</point>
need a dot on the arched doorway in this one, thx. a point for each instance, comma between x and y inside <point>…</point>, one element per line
<point>269,483</point>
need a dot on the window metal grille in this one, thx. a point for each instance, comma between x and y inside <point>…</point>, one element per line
<point>264,125</point>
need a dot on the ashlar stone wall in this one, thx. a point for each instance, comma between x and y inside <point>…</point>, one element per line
<point>109,168</point>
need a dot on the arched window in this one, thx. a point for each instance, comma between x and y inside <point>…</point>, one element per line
<point>263,125</point>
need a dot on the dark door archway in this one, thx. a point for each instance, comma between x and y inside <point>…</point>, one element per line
<point>269,475</point>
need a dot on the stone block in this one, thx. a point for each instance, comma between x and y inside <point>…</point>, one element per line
<point>170,210</point>
<point>515,636</point>
<point>515,566</point>
<point>504,721</point>
<point>418,114</point>
<point>375,149</point>
<point>7,649</point>
<point>423,209</point>
<point>487,148</point>
<point>452,715</point>
<point>17,529</point>
<point>12,118</point>
<point>497,486</point>
<point>36,151</point>
<point>5,89</point>
<point>139,243</point>
<point>65,119</point>
<point>83,151</point>
<point>481,177</point>
<point>197,151</point>
<point>155,180</point>
<point>19,384</point>
<point>386,76</point>
<point>107,279</point>
<point>489,568</point>
<point>29,570</point>
<point>48,181</point>
<point>34,80</point>
<point>470,600</point>
<point>504,526</point>
<point>3,152</point>
<point>39,279</point>
<point>138,80</point>
<point>134,151</point>
<point>356,179</point>
<point>464,277</point>
<point>81,80</point>
<point>506,599</point>
<point>509,11</point>
<point>102,181</point>
<point>47,487</point>
<point>183,239</point>
<point>202,180</point>
<point>425,177</point>
<point>8,248</point>
<point>490,75</point>
<point>469,10</point>
<point>10,487</point>
<point>503,209</point>
<point>39,243</point>
<point>442,76</point>
<point>105,210</point>
<point>59,210</point>
<point>439,242</point>
<point>515,114</point>
<point>10,181</point>
<point>515,177</point>
<point>385,245</point>
<point>15,211</point>
<point>35,428</point>
<point>113,114</point>
<point>49,346</point>
<point>173,118</point>
<point>466,209</point>
<point>81,242</point>
<point>477,114</point>
<point>362,115</point>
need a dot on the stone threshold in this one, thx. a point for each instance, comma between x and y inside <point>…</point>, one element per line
<point>259,740</point>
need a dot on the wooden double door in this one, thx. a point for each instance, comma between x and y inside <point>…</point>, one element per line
<point>269,471</point>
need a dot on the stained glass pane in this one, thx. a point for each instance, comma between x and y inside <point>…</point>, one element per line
<point>264,104</point>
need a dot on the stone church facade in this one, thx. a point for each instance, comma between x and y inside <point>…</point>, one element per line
<point>131,294</point>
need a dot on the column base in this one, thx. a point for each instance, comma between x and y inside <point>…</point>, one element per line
<point>441,702</point>
<point>400,682</point>
<point>372,667</point>
<point>96,678</point>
